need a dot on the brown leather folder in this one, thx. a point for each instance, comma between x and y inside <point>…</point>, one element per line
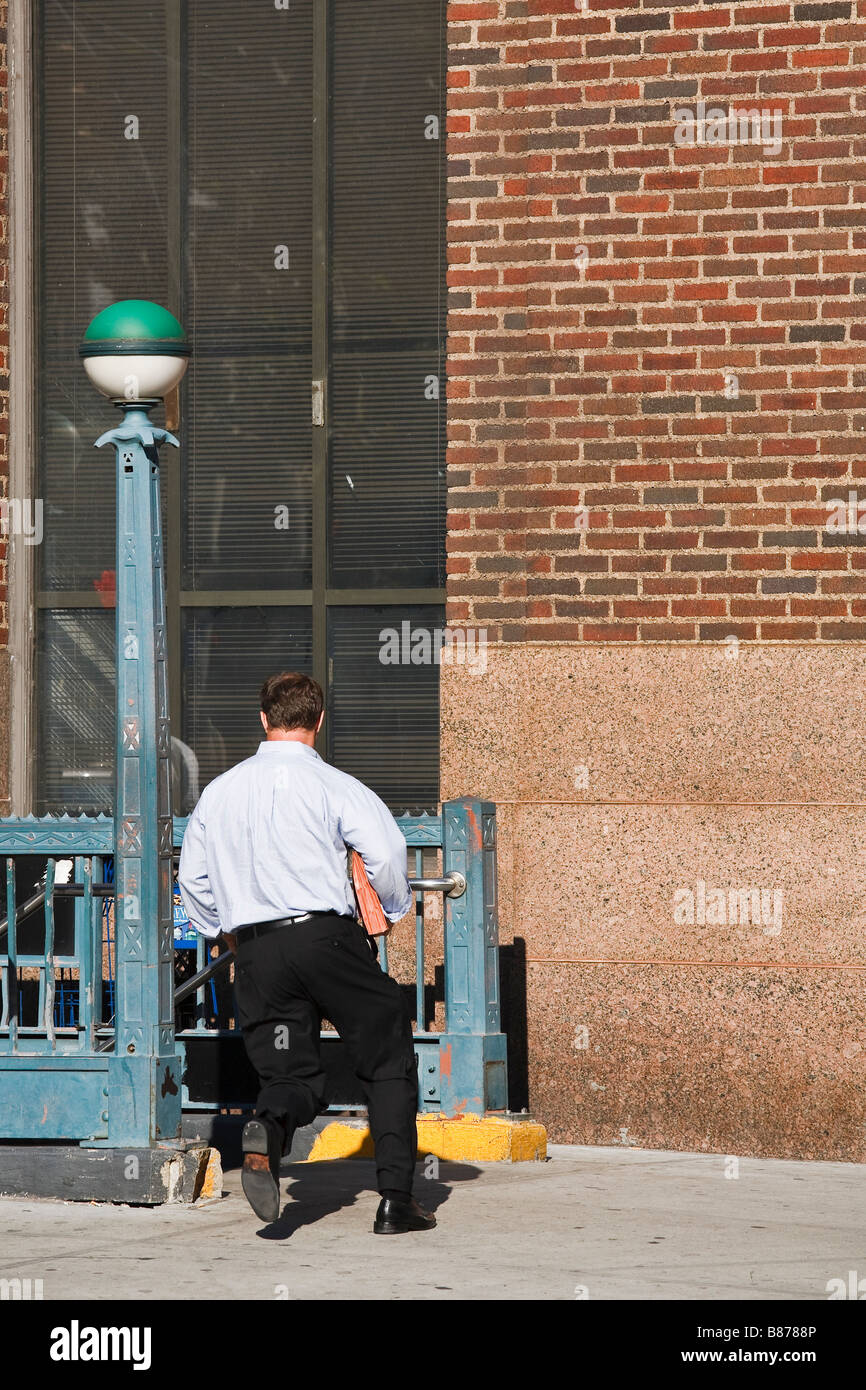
<point>369,907</point>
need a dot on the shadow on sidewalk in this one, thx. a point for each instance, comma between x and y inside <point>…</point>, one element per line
<point>317,1190</point>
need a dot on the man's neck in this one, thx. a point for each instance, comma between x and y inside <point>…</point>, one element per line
<point>305,736</point>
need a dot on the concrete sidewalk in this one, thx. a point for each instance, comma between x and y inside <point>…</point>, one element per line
<point>621,1223</point>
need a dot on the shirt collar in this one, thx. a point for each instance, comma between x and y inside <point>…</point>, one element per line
<point>268,746</point>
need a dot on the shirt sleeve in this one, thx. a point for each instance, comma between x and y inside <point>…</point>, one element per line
<point>192,878</point>
<point>367,825</point>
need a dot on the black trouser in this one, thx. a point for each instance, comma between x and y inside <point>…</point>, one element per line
<point>286,982</point>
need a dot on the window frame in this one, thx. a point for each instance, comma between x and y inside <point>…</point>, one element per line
<point>26,597</point>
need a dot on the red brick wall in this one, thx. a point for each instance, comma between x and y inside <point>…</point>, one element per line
<point>602,385</point>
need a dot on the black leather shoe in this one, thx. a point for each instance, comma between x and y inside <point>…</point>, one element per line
<point>260,1175</point>
<point>393,1218</point>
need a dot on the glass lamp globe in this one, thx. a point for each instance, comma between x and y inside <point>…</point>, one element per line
<point>134,351</point>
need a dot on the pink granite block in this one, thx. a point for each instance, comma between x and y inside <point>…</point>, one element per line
<point>482,741</point>
<point>660,722</point>
<point>624,883</point>
<point>770,1063</point>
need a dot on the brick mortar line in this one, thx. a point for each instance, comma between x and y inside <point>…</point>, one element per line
<point>702,643</point>
<point>791,805</point>
<point>704,964</point>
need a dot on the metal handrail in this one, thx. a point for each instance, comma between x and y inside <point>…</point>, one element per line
<point>196,981</point>
<point>25,910</point>
<point>452,885</point>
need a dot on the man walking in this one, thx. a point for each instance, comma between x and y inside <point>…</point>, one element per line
<point>264,862</point>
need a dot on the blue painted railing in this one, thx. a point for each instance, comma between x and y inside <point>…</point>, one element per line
<point>57,1024</point>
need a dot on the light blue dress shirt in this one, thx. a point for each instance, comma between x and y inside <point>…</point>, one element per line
<point>268,839</point>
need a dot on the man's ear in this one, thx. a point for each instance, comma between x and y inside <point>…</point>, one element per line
<point>321,721</point>
<point>264,718</point>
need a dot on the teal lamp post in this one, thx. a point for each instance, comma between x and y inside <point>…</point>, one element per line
<point>135,352</point>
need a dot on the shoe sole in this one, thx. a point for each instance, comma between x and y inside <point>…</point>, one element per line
<point>260,1189</point>
<point>262,1193</point>
<point>389,1230</point>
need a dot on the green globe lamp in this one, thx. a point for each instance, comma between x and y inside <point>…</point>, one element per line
<point>134,350</point>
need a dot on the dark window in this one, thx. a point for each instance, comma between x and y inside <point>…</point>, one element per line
<point>274,176</point>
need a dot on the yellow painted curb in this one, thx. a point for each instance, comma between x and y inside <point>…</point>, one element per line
<point>485,1138</point>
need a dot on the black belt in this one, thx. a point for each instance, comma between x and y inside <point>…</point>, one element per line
<point>262,928</point>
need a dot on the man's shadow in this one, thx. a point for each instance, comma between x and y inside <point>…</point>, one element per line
<point>320,1189</point>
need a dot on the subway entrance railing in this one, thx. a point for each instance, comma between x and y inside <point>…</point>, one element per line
<point>90,1047</point>
<point>58,976</point>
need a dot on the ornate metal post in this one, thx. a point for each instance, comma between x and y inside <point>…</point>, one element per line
<point>135,351</point>
<point>144,1073</point>
<point>472,1050</point>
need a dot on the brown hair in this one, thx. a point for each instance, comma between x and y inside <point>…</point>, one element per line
<point>292,700</point>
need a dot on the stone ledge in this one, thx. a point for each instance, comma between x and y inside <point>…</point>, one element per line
<point>145,1177</point>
